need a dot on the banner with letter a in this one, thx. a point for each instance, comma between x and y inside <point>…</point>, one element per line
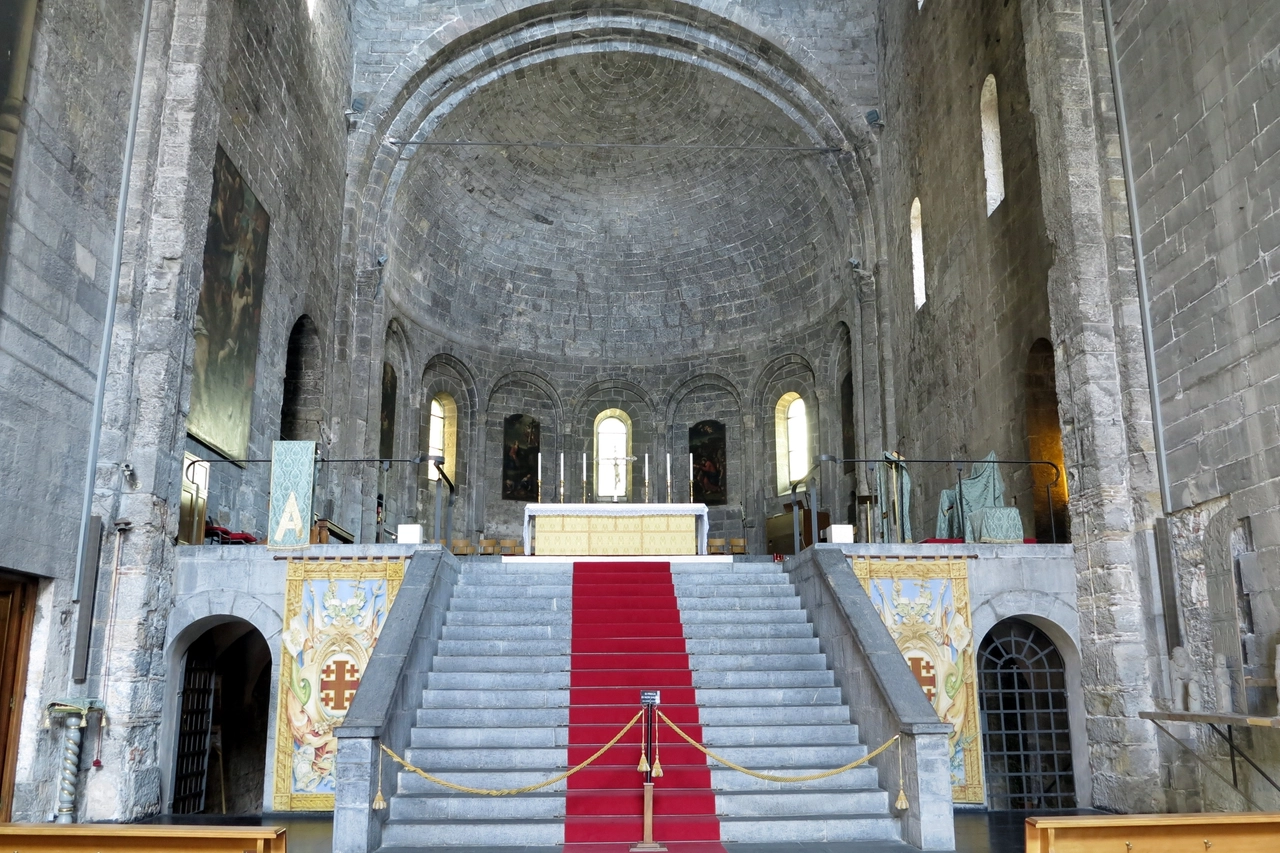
<point>293,474</point>
<point>333,613</point>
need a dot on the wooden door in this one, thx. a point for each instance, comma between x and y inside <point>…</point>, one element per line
<point>17,606</point>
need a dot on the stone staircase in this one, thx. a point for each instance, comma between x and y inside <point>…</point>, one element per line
<point>495,713</point>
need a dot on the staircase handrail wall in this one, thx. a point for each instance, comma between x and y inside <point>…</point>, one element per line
<point>385,706</point>
<point>884,698</point>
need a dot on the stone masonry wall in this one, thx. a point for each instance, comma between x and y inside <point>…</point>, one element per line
<point>1202,88</point>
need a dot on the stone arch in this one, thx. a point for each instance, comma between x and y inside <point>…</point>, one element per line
<point>710,396</point>
<point>191,617</point>
<point>843,423</point>
<point>447,374</point>
<point>784,374</point>
<point>629,398</point>
<point>1059,621</point>
<point>516,392</point>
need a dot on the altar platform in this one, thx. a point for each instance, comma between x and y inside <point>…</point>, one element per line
<point>615,529</point>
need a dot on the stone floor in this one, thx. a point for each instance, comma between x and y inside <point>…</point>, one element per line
<point>976,832</point>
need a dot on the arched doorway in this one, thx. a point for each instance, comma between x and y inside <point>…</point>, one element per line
<point>1022,690</point>
<point>222,728</point>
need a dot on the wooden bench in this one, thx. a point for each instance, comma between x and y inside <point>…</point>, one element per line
<point>139,838</point>
<point>1235,832</point>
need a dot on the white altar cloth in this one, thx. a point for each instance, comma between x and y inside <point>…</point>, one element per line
<point>698,511</point>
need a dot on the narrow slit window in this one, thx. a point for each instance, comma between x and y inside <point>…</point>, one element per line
<point>917,254</point>
<point>992,158</point>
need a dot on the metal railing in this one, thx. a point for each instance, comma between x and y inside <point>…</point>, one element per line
<point>815,492</point>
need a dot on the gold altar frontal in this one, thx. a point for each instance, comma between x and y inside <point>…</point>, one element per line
<point>616,535</point>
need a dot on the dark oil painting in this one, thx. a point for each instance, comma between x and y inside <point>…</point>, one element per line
<point>521,443</point>
<point>707,444</point>
<point>228,314</point>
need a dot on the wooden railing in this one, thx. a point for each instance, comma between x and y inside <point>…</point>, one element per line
<point>1236,832</point>
<point>139,838</point>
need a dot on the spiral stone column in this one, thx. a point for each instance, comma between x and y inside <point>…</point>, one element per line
<point>75,713</point>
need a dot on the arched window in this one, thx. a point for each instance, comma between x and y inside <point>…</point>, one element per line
<point>613,449</point>
<point>992,159</point>
<point>442,435</point>
<point>791,426</point>
<point>917,253</point>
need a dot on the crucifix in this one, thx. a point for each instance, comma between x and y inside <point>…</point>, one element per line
<point>620,482</point>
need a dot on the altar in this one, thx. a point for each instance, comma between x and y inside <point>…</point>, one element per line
<point>621,529</point>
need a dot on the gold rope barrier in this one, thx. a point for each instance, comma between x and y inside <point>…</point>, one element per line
<point>770,778</point>
<point>508,791</point>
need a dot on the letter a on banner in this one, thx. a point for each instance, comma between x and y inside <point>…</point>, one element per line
<point>293,467</point>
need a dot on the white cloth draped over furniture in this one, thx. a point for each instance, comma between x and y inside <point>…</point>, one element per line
<point>615,529</point>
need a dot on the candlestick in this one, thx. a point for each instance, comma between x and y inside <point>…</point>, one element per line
<point>560,491</point>
<point>584,478</point>
<point>668,478</point>
<point>690,478</point>
<point>646,478</point>
<point>539,476</point>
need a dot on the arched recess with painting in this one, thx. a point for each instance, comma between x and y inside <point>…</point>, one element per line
<point>705,418</point>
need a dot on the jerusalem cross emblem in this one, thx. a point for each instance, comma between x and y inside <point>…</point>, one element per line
<point>338,682</point>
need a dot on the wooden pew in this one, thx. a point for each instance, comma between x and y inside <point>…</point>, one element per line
<point>1235,832</point>
<point>139,838</point>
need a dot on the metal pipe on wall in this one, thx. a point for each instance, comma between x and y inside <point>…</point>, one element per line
<point>1139,260</point>
<point>113,294</point>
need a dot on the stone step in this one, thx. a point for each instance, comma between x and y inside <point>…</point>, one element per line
<point>752,630</point>
<point>769,696</point>
<point>563,632</point>
<point>752,645</point>
<point>743,617</point>
<point>778,758</point>
<point>720,590</point>
<point>712,679</point>
<point>492,717</point>
<point>495,780</point>
<point>803,802</point>
<point>805,829</point>
<point>444,760</point>
<point>795,715</point>
<point>502,663</point>
<point>459,806</point>
<point>523,605</point>
<point>681,579</point>
<point>513,647</point>
<point>787,601</point>
<point>728,780</point>
<point>498,680</point>
<point>471,698</point>
<point>508,617</point>
<point>506,737</point>
<point>419,835</point>
<point>721,662</point>
<point>780,731</point>
<point>516,590</point>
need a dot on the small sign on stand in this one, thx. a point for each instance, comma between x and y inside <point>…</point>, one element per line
<point>651,767</point>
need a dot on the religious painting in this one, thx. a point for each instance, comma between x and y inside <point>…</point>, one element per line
<point>925,606</point>
<point>333,615</point>
<point>707,446</point>
<point>521,444</point>
<point>228,314</point>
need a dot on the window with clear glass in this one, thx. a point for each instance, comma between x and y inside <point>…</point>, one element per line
<point>791,429</point>
<point>435,436</point>
<point>917,254</point>
<point>611,457</point>
<point>992,156</point>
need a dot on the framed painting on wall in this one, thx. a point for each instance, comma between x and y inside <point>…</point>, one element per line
<point>707,445</point>
<point>228,314</point>
<point>521,443</point>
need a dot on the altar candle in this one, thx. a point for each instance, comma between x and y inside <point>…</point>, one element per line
<point>539,476</point>
<point>562,476</point>
<point>668,478</point>
<point>646,478</point>
<point>690,478</point>
<point>584,478</point>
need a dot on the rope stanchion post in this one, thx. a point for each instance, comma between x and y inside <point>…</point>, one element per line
<point>650,767</point>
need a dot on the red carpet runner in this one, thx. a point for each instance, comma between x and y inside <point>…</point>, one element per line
<point>627,637</point>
